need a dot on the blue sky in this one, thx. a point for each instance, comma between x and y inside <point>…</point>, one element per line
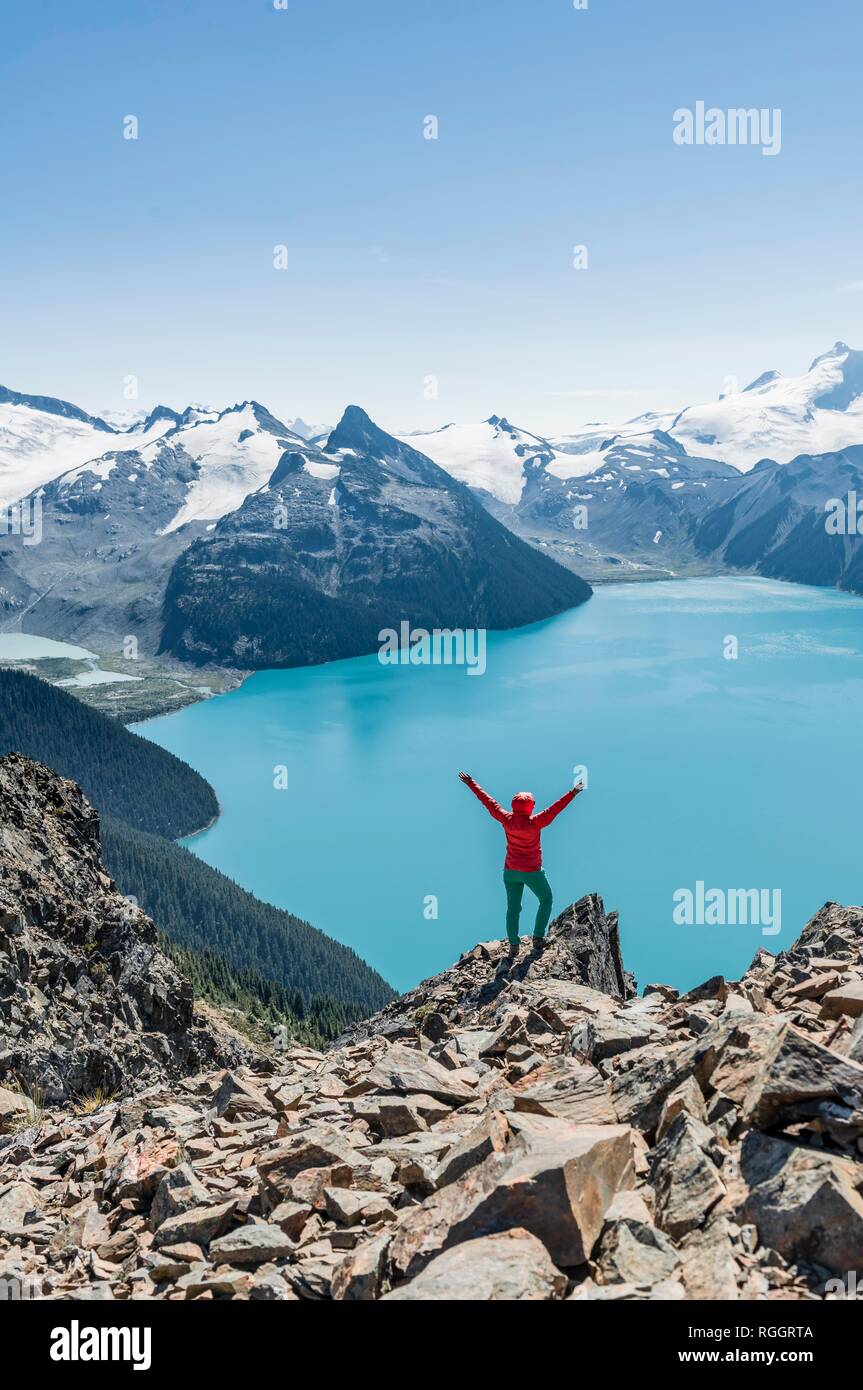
<point>411,258</point>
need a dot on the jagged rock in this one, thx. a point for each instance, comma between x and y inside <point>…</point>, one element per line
<point>238,1100</point>
<point>319,1147</point>
<point>357,1208</point>
<point>251,1245</point>
<point>592,938</point>
<point>393,1117</point>
<point>714,988</point>
<point>20,1207</point>
<point>199,1225</point>
<point>707,1261</point>
<point>16,1110</point>
<point>360,1275</point>
<point>512,1030</point>
<point>292,1217</point>
<point>802,1080</point>
<point>632,1250</point>
<point>687,1097</point>
<point>639,1090</point>
<point>179,1191</point>
<point>558,1182</point>
<point>86,1228</point>
<point>743,1055</point>
<point>406,1071</point>
<point>567,1089</point>
<point>607,1035</point>
<point>806,1205</point>
<point>845,999</point>
<point>489,1136</point>
<point>588,1292</point>
<point>512,1266</point>
<point>66,922</point>
<point>687,1183</point>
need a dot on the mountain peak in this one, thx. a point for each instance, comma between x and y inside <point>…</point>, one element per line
<point>763,380</point>
<point>356,430</point>
<point>839,349</point>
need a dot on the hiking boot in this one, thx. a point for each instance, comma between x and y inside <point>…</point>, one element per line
<point>538,945</point>
<point>507,959</point>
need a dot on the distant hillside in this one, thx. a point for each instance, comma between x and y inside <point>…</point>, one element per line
<point>198,907</point>
<point>121,773</point>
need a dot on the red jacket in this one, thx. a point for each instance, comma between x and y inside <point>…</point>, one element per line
<point>521,827</point>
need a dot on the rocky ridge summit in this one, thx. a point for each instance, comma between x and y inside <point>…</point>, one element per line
<point>532,1131</point>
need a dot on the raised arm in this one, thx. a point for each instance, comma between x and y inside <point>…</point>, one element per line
<point>548,815</point>
<point>488,801</point>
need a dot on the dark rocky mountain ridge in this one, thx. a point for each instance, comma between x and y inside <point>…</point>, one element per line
<point>312,567</point>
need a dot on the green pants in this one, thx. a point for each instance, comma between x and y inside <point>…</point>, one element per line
<point>515,883</point>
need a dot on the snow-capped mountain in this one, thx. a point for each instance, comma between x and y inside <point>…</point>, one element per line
<point>341,543</point>
<point>776,417</point>
<point>131,503</point>
<point>493,456</point>
<point>313,434</point>
<point>235,450</point>
<point>632,511</point>
<point>42,437</point>
<point>779,417</point>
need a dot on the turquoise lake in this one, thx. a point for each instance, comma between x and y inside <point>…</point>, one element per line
<point>739,773</point>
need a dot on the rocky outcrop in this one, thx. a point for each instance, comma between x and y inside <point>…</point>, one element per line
<point>89,1005</point>
<point>507,1131</point>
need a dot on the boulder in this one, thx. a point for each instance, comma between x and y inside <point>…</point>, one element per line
<point>16,1110</point>
<point>354,1208</point>
<point>180,1190</point>
<point>238,1100</point>
<point>490,1135</point>
<point>320,1146</point>
<point>801,1080</point>
<point>844,1000</point>
<point>632,1250</point>
<point>707,1262</point>
<point>199,1225</point>
<point>405,1071</point>
<point>512,1266</point>
<point>607,1035</point>
<point>358,1278</point>
<point>567,1090</point>
<point>20,1206</point>
<point>251,1245</point>
<point>805,1204</point>
<point>685,1098</point>
<point>395,1116</point>
<point>557,1183</point>
<point>686,1181</point>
